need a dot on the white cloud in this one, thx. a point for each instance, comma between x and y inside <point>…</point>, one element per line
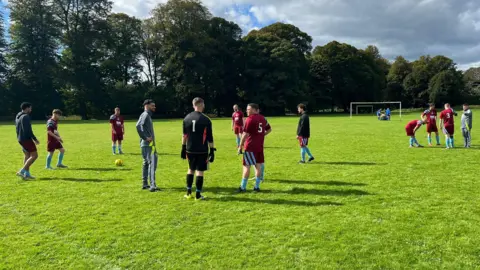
<point>398,27</point>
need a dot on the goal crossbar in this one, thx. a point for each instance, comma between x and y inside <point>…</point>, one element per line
<point>373,103</point>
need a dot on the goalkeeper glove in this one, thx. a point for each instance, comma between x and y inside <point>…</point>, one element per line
<point>183,155</point>
<point>211,156</point>
<point>240,151</point>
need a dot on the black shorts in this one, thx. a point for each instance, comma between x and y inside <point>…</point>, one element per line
<point>197,162</point>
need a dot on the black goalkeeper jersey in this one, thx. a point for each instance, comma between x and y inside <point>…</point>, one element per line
<point>197,128</point>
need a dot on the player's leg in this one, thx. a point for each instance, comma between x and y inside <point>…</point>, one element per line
<point>190,175</point>
<point>146,155</point>
<point>60,157</point>
<point>48,164</point>
<point>303,151</point>
<point>259,161</point>
<point>307,149</point>
<point>30,161</point>
<point>26,156</point>
<point>237,136</point>
<point>119,143</point>
<point>247,162</point>
<point>429,138</point>
<point>469,138</point>
<point>114,146</point>
<point>437,137</point>
<point>465,137</point>
<point>199,179</point>
<point>152,168</point>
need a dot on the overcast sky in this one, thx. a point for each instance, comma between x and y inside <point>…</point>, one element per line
<point>398,27</point>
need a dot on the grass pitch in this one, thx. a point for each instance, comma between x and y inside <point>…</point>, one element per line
<point>367,202</point>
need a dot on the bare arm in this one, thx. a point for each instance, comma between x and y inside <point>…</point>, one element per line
<point>49,132</point>
<point>245,136</point>
<point>113,128</point>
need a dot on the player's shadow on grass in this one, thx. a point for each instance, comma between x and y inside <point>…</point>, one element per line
<point>323,183</point>
<point>277,201</point>
<point>293,191</point>
<point>354,163</point>
<point>160,154</point>
<point>70,179</point>
<point>102,169</point>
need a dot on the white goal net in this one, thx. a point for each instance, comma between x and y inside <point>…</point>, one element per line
<point>374,106</point>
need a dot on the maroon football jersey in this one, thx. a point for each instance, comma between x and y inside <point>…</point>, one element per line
<point>237,118</point>
<point>413,124</point>
<point>447,116</point>
<point>431,117</point>
<point>117,123</point>
<point>256,125</point>
<point>52,126</point>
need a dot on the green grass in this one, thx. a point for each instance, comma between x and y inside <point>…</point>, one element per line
<point>367,202</point>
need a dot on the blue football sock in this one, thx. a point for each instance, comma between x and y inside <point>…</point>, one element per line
<point>416,142</point>
<point>429,139</point>
<point>114,149</point>
<point>257,182</point>
<point>244,183</point>
<point>262,171</point>
<point>438,139</point>
<point>23,171</point>
<point>49,160</point>
<point>238,141</point>
<point>119,148</point>
<point>60,158</point>
<point>447,142</point>
<point>451,142</point>
<point>308,152</point>
<point>302,153</point>
<point>411,141</point>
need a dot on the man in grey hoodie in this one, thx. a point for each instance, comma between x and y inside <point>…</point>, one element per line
<point>467,125</point>
<point>26,139</point>
<point>147,143</point>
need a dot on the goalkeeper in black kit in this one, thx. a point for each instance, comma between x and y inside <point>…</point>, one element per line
<point>197,147</point>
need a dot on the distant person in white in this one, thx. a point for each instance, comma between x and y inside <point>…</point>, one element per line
<point>467,125</point>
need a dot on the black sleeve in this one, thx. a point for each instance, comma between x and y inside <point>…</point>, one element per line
<point>306,126</point>
<point>209,131</point>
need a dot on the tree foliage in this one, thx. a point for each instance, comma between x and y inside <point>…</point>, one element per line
<point>81,57</point>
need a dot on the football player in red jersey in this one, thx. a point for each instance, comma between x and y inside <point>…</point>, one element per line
<point>446,122</point>
<point>431,115</point>
<point>54,140</point>
<point>118,130</point>
<point>411,128</point>
<point>253,137</point>
<point>237,123</point>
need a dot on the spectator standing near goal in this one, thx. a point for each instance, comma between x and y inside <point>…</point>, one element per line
<point>467,125</point>
<point>147,144</point>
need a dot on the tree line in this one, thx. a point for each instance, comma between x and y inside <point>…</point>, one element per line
<point>82,58</point>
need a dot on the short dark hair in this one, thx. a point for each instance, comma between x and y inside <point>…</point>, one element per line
<point>117,108</point>
<point>57,111</point>
<point>197,101</point>
<point>302,106</point>
<point>25,105</point>
<point>431,104</point>
<point>148,102</point>
<point>465,104</point>
<point>254,106</point>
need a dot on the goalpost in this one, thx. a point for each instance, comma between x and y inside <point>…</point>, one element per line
<point>370,104</point>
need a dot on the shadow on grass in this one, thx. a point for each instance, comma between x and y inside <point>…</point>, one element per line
<point>277,201</point>
<point>323,183</point>
<point>293,191</point>
<point>101,169</point>
<point>347,163</point>
<point>160,154</point>
<point>70,179</point>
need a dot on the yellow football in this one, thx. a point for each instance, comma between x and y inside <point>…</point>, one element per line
<point>119,162</point>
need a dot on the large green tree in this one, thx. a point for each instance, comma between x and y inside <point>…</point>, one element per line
<point>84,34</point>
<point>34,34</point>
<point>397,73</point>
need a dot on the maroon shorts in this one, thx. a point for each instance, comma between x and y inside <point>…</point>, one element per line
<point>448,130</point>
<point>54,145</point>
<point>252,158</point>
<point>431,128</point>
<point>28,146</point>
<point>117,137</point>
<point>238,130</point>
<point>410,132</point>
<point>303,141</point>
